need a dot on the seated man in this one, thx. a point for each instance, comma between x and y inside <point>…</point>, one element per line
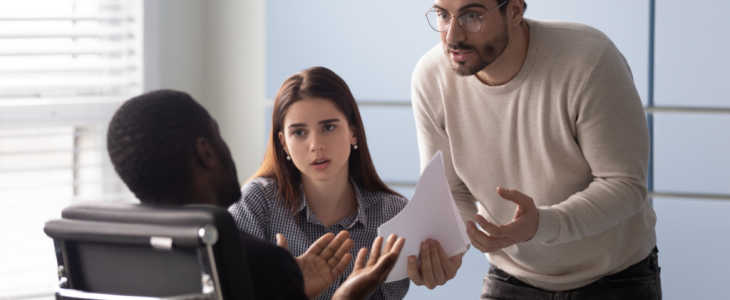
<point>168,150</point>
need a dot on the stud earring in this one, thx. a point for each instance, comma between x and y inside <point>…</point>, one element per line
<point>354,146</point>
<point>288,157</point>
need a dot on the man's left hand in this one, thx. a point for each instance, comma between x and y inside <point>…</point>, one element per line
<point>323,262</point>
<point>522,228</point>
<point>368,274</point>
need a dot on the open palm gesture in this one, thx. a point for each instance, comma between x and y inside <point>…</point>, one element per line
<point>368,273</point>
<point>323,262</point>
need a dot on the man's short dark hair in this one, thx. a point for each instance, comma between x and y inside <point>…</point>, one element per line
<point>503,8</point>
<point>151,142</point>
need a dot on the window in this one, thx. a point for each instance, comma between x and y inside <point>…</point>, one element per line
<point>65,66</point>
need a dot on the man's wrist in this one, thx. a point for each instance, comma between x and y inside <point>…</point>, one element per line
<point>548,226</point>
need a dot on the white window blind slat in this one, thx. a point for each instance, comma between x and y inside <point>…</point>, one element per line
<point>69,18</point>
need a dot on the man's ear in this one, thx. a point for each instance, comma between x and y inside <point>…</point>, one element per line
<point>205,154</point>
<point>515,11</point>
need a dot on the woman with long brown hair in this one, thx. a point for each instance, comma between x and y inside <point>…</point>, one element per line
<point>317,176</point>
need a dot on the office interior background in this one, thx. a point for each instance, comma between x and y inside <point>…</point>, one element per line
<point>65,65</point>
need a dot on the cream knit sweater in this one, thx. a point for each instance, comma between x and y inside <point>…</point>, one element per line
<point>569,131</point>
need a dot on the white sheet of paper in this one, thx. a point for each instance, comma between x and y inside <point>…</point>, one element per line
<point>431,213</point>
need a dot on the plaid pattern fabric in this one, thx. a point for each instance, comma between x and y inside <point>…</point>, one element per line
<point>261,214</point>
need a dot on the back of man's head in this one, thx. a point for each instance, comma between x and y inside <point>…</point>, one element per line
<point>151,142</point>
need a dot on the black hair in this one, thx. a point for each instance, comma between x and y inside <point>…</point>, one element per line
<point>151,143</point>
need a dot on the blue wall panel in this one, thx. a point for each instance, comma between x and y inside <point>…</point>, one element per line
<point>693,248</point>
<point>391,134</point>
<point>691,153</point>
<point>692,47</point>
<point>374,45</point>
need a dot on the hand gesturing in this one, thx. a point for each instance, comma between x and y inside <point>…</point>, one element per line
<point>367,275</point>
<point>326,259</point>
<point>522,228</point>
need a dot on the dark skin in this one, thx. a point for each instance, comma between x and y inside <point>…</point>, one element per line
<point>214,182</point>
<point>366,276</point>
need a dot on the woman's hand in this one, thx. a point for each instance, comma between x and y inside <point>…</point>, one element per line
<point>432,267</point>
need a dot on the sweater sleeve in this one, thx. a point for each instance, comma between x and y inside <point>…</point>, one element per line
<point>612,133</point>
<point>432,137</point>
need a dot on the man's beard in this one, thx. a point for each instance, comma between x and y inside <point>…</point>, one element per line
<point>490,52</point>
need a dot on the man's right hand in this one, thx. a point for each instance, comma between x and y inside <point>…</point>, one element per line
<point>366,276</point>
<point>496,237</point>
<point>432,267</point>
<point>323,262</point>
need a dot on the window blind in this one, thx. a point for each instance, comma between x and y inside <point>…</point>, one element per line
<point>65,66</point>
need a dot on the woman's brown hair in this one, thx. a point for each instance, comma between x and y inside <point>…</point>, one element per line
<point>316,82</point>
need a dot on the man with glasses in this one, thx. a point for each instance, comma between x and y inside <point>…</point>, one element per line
<point>547,150</point>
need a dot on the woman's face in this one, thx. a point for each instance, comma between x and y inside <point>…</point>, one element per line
<point>318,138</point>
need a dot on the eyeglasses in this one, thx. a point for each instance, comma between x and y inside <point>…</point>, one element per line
<point>471,21</point>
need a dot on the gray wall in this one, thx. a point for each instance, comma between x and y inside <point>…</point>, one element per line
<point>215,51</point>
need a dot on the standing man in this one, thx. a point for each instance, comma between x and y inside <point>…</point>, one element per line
<point>546,148</point>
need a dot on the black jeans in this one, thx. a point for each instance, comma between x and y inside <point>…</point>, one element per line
<point>638,281</point>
